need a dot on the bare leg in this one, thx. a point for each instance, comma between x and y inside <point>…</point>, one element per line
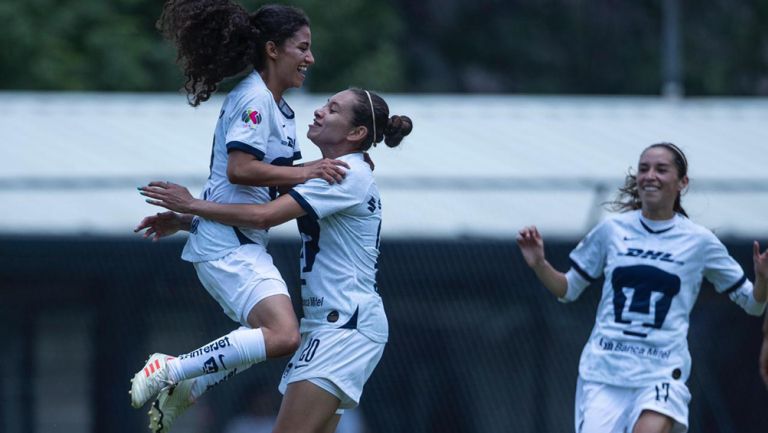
<point>653,422</point>
<point>307,408</point>
<point>330,427</point>
<point>277,320</point>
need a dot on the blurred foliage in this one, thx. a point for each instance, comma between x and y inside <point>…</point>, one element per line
<point>580,46</point>
<point>585,44</point>
<point>355,43</point>
<point>726,48</point>
<point>84,45</point>
<point>521,46</point>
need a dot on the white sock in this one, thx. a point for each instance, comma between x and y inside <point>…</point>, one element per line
<point>234,351</point>
<point>207,381</point>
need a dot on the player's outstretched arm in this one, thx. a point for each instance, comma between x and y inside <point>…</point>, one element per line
<point>532,246</point>
<point>163,224</point>
<point>178,198</point>
<point>244,169</point>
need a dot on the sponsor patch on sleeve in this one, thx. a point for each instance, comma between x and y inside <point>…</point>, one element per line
<point>251,117</point>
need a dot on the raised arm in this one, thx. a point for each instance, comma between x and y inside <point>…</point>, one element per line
<point>177,198</point>
<point>532,246</point>
<point>244,169</point>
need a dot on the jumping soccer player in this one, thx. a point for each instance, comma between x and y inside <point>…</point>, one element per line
<point>344,328</point>
<point>254,148</point>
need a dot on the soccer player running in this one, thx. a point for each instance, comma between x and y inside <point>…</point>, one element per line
<point>344,328</point>
<point>254,147</point>
<point>634,367</point>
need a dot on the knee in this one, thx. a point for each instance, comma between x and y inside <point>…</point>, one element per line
<point>288,342</point>
<point>292,342</point>
<point>282,343</point>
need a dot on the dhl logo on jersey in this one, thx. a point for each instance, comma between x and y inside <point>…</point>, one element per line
<point>650,254</point>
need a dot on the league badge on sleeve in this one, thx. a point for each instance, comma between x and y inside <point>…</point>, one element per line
<point>251,117</point>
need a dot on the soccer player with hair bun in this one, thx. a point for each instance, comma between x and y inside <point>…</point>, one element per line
<point>634,367</point>
<point>344,328</point>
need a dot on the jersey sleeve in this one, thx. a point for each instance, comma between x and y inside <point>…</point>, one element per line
<point>728,277</point>
<point>249,129</point>
<point>587,261</point>
<point>321,199</point>
<point>576,285</point>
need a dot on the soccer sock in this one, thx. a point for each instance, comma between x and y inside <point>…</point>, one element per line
<point>241,347</point>
<point>207,381</point>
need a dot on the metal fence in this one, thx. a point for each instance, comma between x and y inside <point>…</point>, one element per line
<point>476,345</point>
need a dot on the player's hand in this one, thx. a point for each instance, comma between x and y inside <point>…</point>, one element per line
<point>531,245</point>
<point>330,170</point>
<point>760,260</point>
<point>160,225</point>
<point>168,195</point>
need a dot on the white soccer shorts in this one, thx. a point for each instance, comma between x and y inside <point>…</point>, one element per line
<point>339,361</point>
<point>603,408</point>
<point>241,279</point>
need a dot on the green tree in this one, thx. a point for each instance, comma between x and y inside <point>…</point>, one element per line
<point>726,48</point>
<point>355,43</point>
<point>521,46</point>
<point>113,45</point>
<point>84,45</point>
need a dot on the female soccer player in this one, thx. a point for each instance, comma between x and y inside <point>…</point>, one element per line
<point>344,328</point>
<point>254,147</point>
<point>634,367</point>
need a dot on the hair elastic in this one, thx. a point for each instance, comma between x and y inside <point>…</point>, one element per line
<point>373,117</point>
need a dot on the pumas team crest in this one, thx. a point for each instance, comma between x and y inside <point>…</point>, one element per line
<point>251,117</point>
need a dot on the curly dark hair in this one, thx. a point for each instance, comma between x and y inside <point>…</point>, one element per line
<point>628,197</point>
<point>390,129</point>
<point>217,39</point>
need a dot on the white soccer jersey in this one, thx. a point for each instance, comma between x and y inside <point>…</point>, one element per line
<point>250,121</point>
<point>653,273</point>
<point>340,253</point>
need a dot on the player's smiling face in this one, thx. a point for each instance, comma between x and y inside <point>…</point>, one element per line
<point>659,182</point>
<point>295,58</point>
<point>333,121</point>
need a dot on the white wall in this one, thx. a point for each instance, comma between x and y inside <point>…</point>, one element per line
<point>474,165</point>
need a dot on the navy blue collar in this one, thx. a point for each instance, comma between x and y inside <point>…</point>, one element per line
<point>655,232</point>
